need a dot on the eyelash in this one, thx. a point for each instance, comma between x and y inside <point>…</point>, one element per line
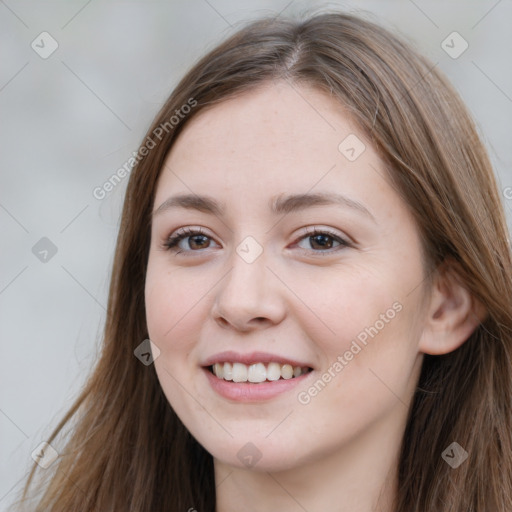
<point>171,244</point>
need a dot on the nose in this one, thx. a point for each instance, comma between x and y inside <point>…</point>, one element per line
<point>249,297</point>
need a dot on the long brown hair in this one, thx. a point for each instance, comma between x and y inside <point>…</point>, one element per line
<point>128,451</point>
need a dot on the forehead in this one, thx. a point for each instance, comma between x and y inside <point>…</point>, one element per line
<point>273,139</point>
<point>292,121</point>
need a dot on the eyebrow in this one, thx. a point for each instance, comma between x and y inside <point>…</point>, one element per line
<point>278,205</point>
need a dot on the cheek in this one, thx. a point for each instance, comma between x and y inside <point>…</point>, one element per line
<point>349,299</point>
<point>170,300</point>
<point>368,321</point>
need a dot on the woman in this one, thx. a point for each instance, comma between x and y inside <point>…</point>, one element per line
<point>313,241</point>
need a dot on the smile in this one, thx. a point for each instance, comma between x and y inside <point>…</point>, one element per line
<point>257,372</point>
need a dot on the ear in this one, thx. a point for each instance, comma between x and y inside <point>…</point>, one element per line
<point>453,313</point>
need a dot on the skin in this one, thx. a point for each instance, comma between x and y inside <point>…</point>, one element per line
<point>298,299</point>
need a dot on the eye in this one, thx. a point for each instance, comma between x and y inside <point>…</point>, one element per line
<point>197,240</point>
<point>324,240</point>
<point>320,241</point>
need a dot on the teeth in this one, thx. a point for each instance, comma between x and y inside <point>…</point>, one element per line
<point>287,371</point>
<point>239,372</point>
<point>228,371</point>
<point>218,369</point>
<point>273,371</point>
<point>257,372</point>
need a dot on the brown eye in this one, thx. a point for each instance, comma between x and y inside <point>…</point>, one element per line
<point>197,240</point>
<point>323,242</point>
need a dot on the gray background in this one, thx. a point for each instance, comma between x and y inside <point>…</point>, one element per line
<point>69,121</point>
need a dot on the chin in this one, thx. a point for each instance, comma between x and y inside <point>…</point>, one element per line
<point>256,456</point>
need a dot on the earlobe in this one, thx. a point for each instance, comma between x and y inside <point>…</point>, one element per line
<point>453,313</point>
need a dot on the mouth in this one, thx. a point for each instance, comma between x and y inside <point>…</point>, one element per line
<point>256,373</point>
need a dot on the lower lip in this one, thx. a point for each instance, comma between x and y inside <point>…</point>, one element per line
<point>251,392</point>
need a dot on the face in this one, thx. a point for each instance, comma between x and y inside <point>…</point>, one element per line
<point>332,284</point>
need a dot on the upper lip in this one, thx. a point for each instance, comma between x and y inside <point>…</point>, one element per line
<point>252,358</point>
